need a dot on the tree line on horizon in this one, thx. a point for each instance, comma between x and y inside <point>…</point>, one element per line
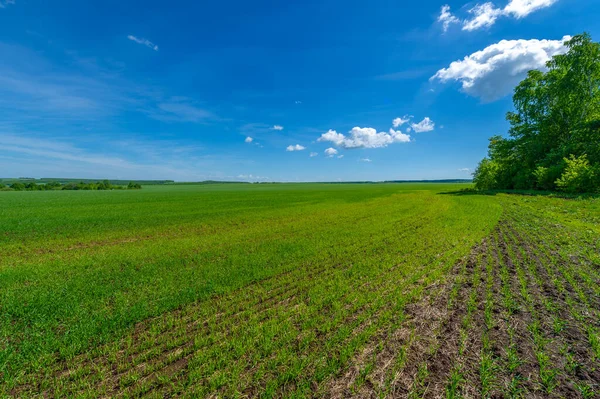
<point>554,136</point>
<point>54,185</point>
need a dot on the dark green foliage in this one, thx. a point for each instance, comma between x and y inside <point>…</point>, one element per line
<point>17,186</point>
<point>554,137</point>
<point>54,185</point>
<point>134,186</point>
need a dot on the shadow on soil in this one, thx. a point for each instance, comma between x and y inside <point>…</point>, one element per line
<point>530,193</point>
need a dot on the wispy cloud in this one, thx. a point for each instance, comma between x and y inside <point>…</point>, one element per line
<point>486,14</point>
<point>181,109</point>
<point>446,18</point>
<point>314,154</point>
<point>407,74</point>
<point>131,158</point>
<point>277,127</point>
<point>252,178</point>
<point>6,3</point>
<point>55,150</point>
<point>144,42</point>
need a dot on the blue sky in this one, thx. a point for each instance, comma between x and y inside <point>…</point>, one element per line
<point>277,91</point>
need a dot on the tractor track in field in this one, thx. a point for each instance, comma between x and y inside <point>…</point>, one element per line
<point>179,353</point>
<point>405,347</point>
<point>536,344</point>
<point>516,318</point>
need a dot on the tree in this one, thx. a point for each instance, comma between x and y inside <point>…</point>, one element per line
<point>17,186</point>
<point>578,176</point>
<point>556,118</point>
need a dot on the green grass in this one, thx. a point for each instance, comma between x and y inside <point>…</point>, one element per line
<point>278,290</point>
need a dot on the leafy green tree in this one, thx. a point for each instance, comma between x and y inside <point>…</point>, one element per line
<point>486,175</point>
<point>579,176</point>
<point>556,122</point>
<point>17,186</point>
<point>134,186</point>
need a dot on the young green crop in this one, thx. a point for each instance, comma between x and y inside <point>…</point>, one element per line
<point>300,290</point>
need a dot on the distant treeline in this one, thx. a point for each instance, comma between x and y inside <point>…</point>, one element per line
<point>554,136</point>
<point>55,185</point>
<point>115,182</point>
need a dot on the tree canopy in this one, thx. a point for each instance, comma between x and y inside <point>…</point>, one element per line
<point>554,136</point>
<point>54,185</point>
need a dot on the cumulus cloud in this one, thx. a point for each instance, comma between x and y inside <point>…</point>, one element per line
<point>330,152</point>
<point>426,125</point>
<point>494,71</point>
<point>313,154</point>
<point>249,139</point>
<point>277,127</point>
<point>366,137</point>
<point>485,15</point>
<point>144,42</point>
<point>400,121</point>
<point>296,147</point>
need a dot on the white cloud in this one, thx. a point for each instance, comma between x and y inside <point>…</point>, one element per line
<point>426,125</point>
<point>277,127</point>
<point>253,178</point>
<point>365,160</point>
<point>401,121</point>
<point>249,139</point>
<point>486,14</point>
<point>340,156</point>
<point>313,154</point>
<point>330,152</point>
<point>296,147</point>
<point>143,41</point>
<point>446,18</point>
<point>364,138</point>
<point>494,71</point>
<point>464,170</point>
<point>522,8</point>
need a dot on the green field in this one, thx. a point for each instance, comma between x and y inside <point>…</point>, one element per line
<point>298,290</point>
